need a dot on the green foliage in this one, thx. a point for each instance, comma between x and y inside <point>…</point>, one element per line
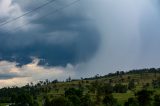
<point>73,91</point>
<point>110,101</point>
<point>131,84</point>
<point>60,101</point>
<point>156,100</point>
<point>119,88</point>
<point>94,86</point>
<point>23,100</point>
<point>74,99</point>
<point>101,88</point>
<point>104,89</point>
<point>46,101</point>
<point>156,83</point>
<point>131,102</point>
<point>108,88</point>
<point>144,97</point>
<point>87,101</point>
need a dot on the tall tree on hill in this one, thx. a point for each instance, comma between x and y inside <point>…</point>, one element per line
<point>117,73</point>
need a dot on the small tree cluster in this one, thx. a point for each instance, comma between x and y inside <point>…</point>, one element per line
<point>73,97</point>
<point>143,98</point>
<point>119,88</point>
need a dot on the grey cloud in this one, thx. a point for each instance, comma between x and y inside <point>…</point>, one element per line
<point>9,76</point>
<point>130,35</point>
<point>58,41</point>
<point>96,36</point>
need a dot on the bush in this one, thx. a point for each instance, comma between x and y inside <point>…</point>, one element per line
<point>73,91</point>
<point>119,88</point>
<point>60,101</point>
<point>110,101</point>
<point>104,89</point>
<point>131,84</point>
<point>86,101</point>
<point>23,100</point>
<point>108,88</point>
<point>75,100</point>
<point>144,97</point>
<point>156,100</point>
<point>131,102</point>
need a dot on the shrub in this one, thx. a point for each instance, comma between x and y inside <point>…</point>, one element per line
<point>60,101</point>
<point>119,88</point>
<point>144,97</point>
<point>131,102</point>
<point>73,91</point>
<point>110,101</point>
<point>156,100</point>
<point>131,84</point>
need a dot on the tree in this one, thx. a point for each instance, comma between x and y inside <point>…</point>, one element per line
<point>110,81</point>
<point>154,71</point>
<point>94,86</point>
<point>109,100</point>
<point>131,102</point>
<point>23,100</point>
<point>117,73</point>
<point>47,81</point>
<point>119,88</point>
<point>144,97</point>
<point>55,81</point>
<point>87,101</point>
<point>75,96</point>
<point>131,84</point>
<point>156,83</point>
<point>156,100</point>
<point>68,79</point>
<point>104,89</point>
<point>60,101</point>
<point>80,86</point>
<point>14,98</point>
<point>73,91</point>
<point>46,101</point>
<point>74,99</point>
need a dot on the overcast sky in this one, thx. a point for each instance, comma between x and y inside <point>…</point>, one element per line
<point>86,38</point>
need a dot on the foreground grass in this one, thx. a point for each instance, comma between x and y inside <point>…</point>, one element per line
<point>3,104</point>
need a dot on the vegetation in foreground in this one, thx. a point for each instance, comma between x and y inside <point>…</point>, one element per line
<point>133,88</point>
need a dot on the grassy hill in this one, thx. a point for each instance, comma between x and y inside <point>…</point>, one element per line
<point>120,85</point>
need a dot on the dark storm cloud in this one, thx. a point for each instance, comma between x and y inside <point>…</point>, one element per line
<point>60,39</point>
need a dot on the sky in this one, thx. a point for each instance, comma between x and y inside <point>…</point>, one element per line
<point>76,39</point>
